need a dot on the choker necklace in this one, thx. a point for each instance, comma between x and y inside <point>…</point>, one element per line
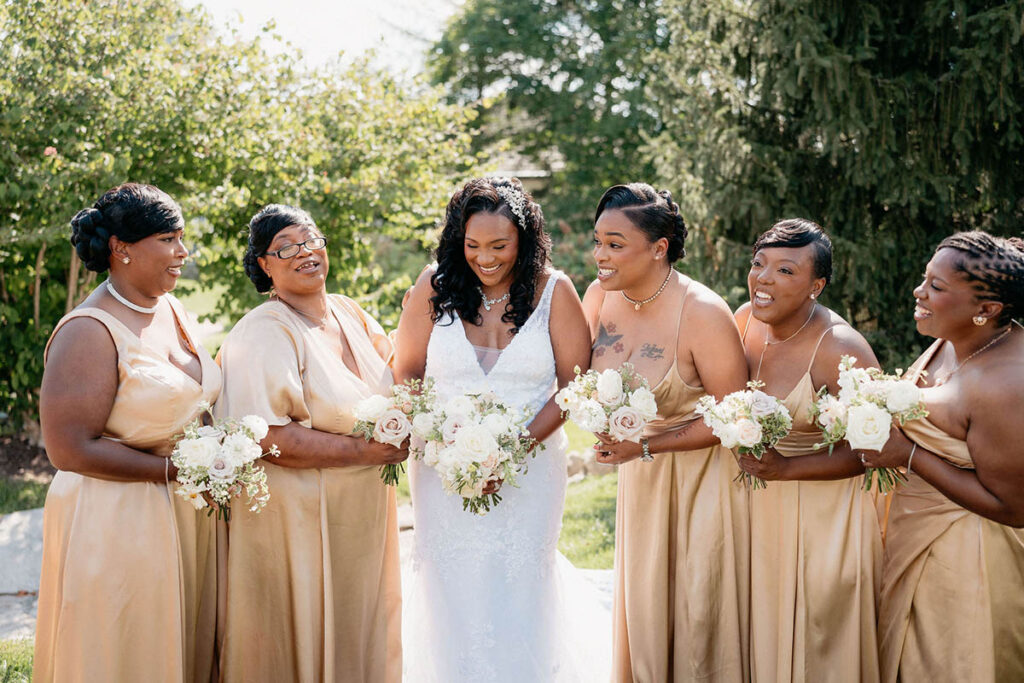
<point>638,303</point>
<point>490,302</point>
<point>940,381</point>
<point>757,375</point>
<point>135,307</point>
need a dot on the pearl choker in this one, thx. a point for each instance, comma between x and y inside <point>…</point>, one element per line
<point>123,301</point>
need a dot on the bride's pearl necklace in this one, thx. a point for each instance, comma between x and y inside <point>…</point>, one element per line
<point>123,301</point>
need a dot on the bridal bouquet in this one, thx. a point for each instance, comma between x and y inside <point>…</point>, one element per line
<point>750,421</point>
<point>616,402</point>
<point>471,441</point>
<point>863,412</point>
<point>219,461</point>
<point>388,419</point>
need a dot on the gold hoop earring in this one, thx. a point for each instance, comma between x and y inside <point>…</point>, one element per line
<point>979,320</point>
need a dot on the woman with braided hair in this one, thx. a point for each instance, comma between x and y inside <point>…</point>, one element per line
<point>953,570</point>
<point>128,585</point>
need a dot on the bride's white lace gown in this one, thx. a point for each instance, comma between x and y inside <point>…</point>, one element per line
<point>491,598</point>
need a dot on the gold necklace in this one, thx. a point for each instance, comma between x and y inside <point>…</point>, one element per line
<point>320,322</point>
<point>764,348</point>
<point>638,303</point>
<point>939,382</point>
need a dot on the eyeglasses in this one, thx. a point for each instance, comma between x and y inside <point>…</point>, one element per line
<point>292,250</point>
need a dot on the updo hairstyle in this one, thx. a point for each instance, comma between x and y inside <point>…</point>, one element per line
<point>130,212</point>
<point>263,227</point>
<point>995,268</point>
<point>794,233</point>
<point>653,211</point>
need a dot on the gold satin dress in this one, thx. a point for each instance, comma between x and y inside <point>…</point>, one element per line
<point>129,577</point>
<point>953,582</point>
<point>313,582</point>
<point>816,564</point>
<point>681,558</point>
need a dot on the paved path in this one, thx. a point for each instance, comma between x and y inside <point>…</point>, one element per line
<point>21,549</point>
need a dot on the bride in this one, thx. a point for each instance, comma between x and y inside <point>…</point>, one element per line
<point>491,598</point>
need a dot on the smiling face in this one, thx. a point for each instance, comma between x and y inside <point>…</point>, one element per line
<point>944,301</point>
<point>781,281</point>
<point>155,261</point>
<point>624,255</point>
<point>304,273</point>
<point>491,246</point>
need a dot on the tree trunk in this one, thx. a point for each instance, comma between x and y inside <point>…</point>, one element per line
<point>73,271</point>
<point>38,284</point>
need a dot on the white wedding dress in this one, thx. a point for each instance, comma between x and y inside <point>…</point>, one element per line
<point>491,599</point>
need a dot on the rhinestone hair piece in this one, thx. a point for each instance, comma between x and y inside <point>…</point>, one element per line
<point>515,199</point>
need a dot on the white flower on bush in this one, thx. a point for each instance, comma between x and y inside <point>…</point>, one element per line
<point>393,427</point>
<point>626,424</point>
<point>371,408</point>
<point>238,449</point>
<point>475,443</point>
<point>497,424</point>
<point>451,426</point>
<point>643,401</point>
<point>748,432</point>
<point>589,415</point>
<point>609,387</point>
<point>761,404</point>
<point>423,424</point>
<point>199,452</point>
<point>901,395</point>
<point>868,426</point>
<point>458,405</point>
<point>833,411</point>
<point>257,425</point>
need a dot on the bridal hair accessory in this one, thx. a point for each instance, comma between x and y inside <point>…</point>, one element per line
<point>490,302</point>
<point>515,199</point>
<point>979,320</point>
<point>135,307</point>
<point>638,303</point>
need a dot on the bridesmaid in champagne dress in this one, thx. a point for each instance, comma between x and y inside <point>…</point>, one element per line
<point>816,546</point>
<point>128,584</point>
<point>313,580</point>
<point>953,573</point>
<point>682,574</point>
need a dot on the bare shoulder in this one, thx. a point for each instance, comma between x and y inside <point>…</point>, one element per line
<point>81,335</point>
<point>703,302</point>
<point>841,339</point>
<point>564,288</point>
<point>742,314</point>
<point>423,281</point>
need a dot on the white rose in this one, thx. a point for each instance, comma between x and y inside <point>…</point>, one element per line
<point>238,449</point>
<point>430,453</point>
<point>901,395</point>
<point>458,405</point>
<point>371,408</point>
<point>589,415</point>
<point>609,387</point>
<point>475,443</point>
<point>221,469</point>
<point>193,493</point>
<point>257,425</point>
<point>867,427</point>
<point>644,402</point>
<point>497,424</point>
<point>748,433</point>
<point>729,435</point>
<point>626,424</point>
<point>198,452</point>
<point>452,425</point>
<point>832,411</point>
<point>393,427</point>
<point>762,405</point>
<point>423,424</point>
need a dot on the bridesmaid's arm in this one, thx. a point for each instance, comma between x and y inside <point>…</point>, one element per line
<point>414,328</point>
<point>306,448</point>
<point>75,400</point>
<point>570,342</point>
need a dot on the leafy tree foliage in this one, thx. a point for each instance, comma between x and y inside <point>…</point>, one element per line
<point>93,94</point>
<point>891,124</point>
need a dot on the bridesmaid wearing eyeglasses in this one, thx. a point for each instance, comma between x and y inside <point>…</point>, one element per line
<point>313,585</point>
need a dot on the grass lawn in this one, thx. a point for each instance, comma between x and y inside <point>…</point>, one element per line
<point>17,494</point>
<point>15,660</point>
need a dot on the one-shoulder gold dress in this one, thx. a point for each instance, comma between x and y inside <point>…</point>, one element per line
<point>313,584</point>
<point>953,582</point>
<point>128,585</point>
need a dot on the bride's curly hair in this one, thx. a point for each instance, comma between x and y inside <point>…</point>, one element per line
<point>455,284</point>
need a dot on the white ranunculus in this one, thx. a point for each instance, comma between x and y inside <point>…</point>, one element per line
<point>832,411</point>
<point>626,424</point>
<point>451,426</point>
<point>609,387</point>
<point>475,443</point>
<point>393,427</point>
<point>729,435</point>
<point>199,452</point>
<point>748,432</point>
<point>458,405</point>
<point>239,449</point>
<point>590,417</point>
<point>371,408</point>
<point>867,427</point>
<point>423,424</point>
<point>901,395</point>
<point>497,424</point>
<point>761,404</point>
<point>193,493</point>
<point>642,399</point>
<point>257,425</point>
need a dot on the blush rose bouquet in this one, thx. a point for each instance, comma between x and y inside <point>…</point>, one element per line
<point>389,419</point>
<point>617,402</point>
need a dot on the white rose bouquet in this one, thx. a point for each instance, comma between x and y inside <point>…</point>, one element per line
<point>472,441</point>
<point>750,421</point>
<point>863,412</point>
<point>389,419</point>
<point>616,402</point>
<point>219,461</point>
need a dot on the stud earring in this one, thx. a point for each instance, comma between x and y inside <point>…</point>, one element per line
<point>126,260</point>
<point>979,320</point>
<point>813,296</point>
